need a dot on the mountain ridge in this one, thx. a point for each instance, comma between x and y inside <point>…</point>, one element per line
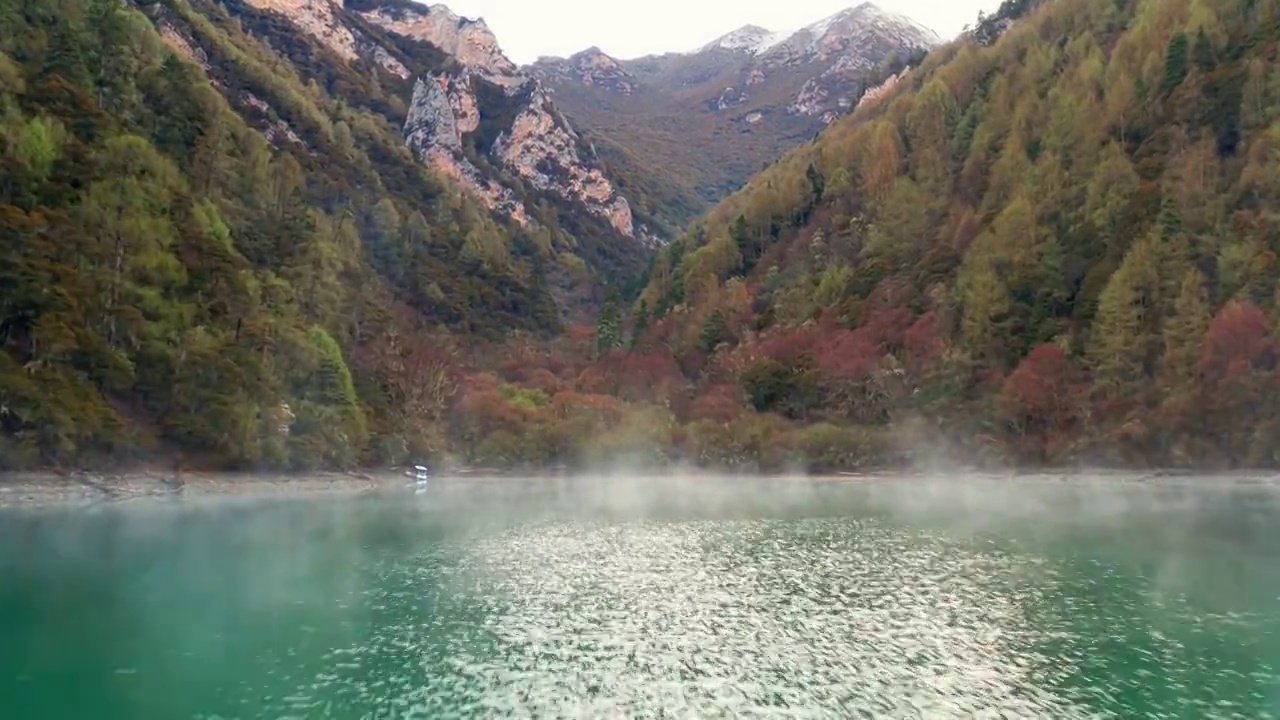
<point>718,114</point>
<point>757,39</point>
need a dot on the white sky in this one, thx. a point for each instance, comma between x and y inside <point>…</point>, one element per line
<point>625,29</point>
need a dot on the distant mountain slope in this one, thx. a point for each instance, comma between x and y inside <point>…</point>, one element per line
<point>692,127</point>
<point>1056,237</point>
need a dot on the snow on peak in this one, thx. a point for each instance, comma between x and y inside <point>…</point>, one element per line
<point>832,33</point>
<point>748,38</point>
<point>757,40</point>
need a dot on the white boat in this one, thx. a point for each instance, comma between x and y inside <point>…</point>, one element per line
<point>422,477</point>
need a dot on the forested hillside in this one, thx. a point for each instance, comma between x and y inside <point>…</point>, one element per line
<point>1054,241</point>
<point>171,279</point>
<point>1055,245</point>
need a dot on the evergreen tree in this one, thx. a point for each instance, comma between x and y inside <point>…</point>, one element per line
<point>714,331</point>
<point>1205,56</point>
<point>1184,333</point>
<point>609,326</point>
<point>640,323</point>
<point>1175,63</point>
<point>1121,341</point>
<point>741,237</point>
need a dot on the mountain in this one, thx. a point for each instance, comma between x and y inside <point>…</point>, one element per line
<point>1053,241</point>
<point>244,236</point>
<point>466,112</point>
<point>280,233</point>
<point>254,232</point>
<point>689,128</point>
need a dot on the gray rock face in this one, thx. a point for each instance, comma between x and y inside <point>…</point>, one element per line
<point>539,146</point>
<point>438,115</point>
<point>431,122</point>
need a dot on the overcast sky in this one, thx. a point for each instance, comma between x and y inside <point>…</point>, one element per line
<point>527,29</point>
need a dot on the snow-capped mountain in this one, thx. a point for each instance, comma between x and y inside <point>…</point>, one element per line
<point>834,33</point>
<point>717,113</point>
<point>848,32</point>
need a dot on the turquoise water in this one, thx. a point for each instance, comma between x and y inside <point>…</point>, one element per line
<point>632,598</point>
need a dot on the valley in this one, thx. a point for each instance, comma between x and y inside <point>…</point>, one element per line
<point>290,235</point>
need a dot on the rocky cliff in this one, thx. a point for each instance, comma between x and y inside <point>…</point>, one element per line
<point>532,142</point>
<point>478,119</point>
<point>717,114</point>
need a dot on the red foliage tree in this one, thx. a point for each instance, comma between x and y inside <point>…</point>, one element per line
<point>789,345</point>
<point>483,409</point>
<point>924,343</point>
<point>649,376</point>
<point>545,381</point>
<point>1237,364</point>
<point>721,403</point>
<point>420,374</point>
<point>886,328</point>
<point>1042,395</point>
<point>848,355</point>
<point>1238,341</point>
<point>600,409</point>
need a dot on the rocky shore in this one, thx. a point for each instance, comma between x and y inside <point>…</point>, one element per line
<point>29,489</point>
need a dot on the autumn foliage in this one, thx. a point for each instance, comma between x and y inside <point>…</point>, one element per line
<point>1239,343</point>
<point>1052,242</point>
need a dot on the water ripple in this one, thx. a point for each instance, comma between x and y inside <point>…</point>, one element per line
<point>746,619</point>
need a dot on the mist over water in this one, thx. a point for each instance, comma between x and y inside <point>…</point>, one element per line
<point>654,596</point>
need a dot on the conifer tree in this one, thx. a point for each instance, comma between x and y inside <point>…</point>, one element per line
<point>1120,343</point>
<point>1184,332</point>
<point>714,331</point>
<point>985,300</point>
<point>1175,63</point>
<point>640,323</point>
<point>609,326</point>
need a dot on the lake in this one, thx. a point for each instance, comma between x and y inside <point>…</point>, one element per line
<point>653,597</point>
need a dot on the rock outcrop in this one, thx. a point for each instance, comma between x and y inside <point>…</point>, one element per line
<point>479,114</point>
<point>470,41</point>
<point>318,18</point>
<point>442,110</point>
<point>543,149</point>
<point>537,144</point>
<point>870,97</point>
<point>592,68</point>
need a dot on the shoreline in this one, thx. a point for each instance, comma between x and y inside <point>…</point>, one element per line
<point>50,489</point>
<point>35,489</point>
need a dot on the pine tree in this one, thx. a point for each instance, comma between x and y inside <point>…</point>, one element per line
<point>742,239</point>
<point>817,184</point>
<point>1120,341</point>
<point>1205,56</point>
<point>714,331</point>
<point>1184,333</point>
<point>1175,64</point>
<point>609,327</point>
<point>639,324</point>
